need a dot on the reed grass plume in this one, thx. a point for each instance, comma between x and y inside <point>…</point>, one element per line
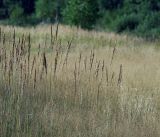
<point>64,81</point>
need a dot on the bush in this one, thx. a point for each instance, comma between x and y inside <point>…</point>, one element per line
<point>150,26</point>
<point>82,13</point>
<point>106,20</point>
<point>127,22</point>
<point>111,4</point>
<point>153,20</point>
<point>46,10</point>
<point>16,15</point>
<point>2,13</point>
<point>31,20</point>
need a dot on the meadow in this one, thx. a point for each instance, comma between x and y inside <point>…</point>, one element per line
<point>60,81</point>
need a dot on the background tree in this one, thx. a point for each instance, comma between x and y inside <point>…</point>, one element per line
<point>16,14</point>
<point>14,11</point>
<point>28,6</point>
<point>46,9</point>
<point>2,10</point>
<point>82,13</point>
<point>110,4</point>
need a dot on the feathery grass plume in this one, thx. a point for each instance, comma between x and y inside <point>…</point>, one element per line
<point>14,36</point>
<point>13,49</point>
<point>33,63</point>
<point>103,65</point>
<point>97,69</point>
<point>29,51</point>
<point>85,63</point>
<point>11,64</point>
<point>112,77</point>
<point>2,58</point>
<point>57,29</point>
<point>56,63</point>
<point>9,78</point>
<point>75,80</point>
<point>79,62</point>
<point>10,71</point>
<point>102,68</point>
<point>21,72</point>
<point>51,36</point>
<point>4,39</point>
<point>19,41</point>
<point>113,53</point>
<point>23,39</point>
<point>22,81</point>
<point>45,42</point>
<point>98,92</point>
<point>107,77</point>
<point>21,50</point>
<point>120,75</point>
<point>0,34</point>
<point>35,79</point>
<point>17,48</point>
<point>67,53</point>
<point>25,69</point>
<point>39,49</point>
<point>5,61</point>
<point>29,45</point>
<point>60,50</point>
<point>1,55</point>
<point>51,76</point>
<point>92,55</point>
<point>45,62</point>
<point>17,55</point>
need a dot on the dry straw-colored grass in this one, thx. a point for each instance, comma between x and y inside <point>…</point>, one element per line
<point>61,81</point>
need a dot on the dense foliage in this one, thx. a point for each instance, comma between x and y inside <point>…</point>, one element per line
<point>135,16</point>
<point>81,12</point>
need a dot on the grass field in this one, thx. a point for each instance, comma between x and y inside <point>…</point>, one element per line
<point>66,82</point>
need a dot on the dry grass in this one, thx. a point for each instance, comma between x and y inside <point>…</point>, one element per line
<point>66,82</point>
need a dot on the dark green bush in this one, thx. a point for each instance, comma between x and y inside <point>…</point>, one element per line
<point>16,15</point>
<point>150,26</point>
<point>127,22</point>
<point>2,13</point>
<point>111,4</point>
<point>153,20</point>
<point>83,13</point>
<point>106,20</point>
<point>46,10</point>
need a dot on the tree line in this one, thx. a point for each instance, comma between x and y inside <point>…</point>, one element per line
<point>140,17</point>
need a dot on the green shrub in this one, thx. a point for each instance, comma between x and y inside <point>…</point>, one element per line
<point>45,10</point>
<point>127,22</point>
<point>153,20</point>
<point>111,4</point>
<point>82,13</point>
<point>16,15</point>
<point>106,20</point>
<point>2,13</point>
<point>150,26</point>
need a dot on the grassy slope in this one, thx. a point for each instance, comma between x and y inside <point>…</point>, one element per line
<point>103,85</point>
